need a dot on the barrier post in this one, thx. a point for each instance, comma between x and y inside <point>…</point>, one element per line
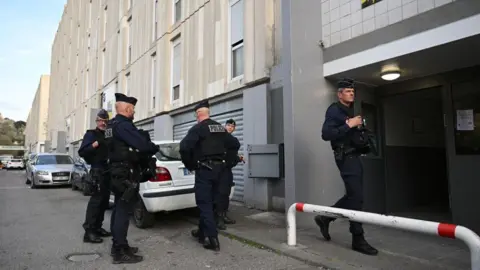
<point>415,225</point>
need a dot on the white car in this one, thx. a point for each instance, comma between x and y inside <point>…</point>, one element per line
<point>15,164</point>
<point>172,189</point>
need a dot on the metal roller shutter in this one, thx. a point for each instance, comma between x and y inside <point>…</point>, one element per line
<point>180,130</point>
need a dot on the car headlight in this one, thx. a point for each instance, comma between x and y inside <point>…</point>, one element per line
<point>42,173</point>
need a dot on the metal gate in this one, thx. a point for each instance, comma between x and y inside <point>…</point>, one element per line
<point>180,130</point>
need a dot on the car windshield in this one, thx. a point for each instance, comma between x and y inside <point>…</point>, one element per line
<point>54,159</point>
<point>169,152</point>
<point>16,160</point>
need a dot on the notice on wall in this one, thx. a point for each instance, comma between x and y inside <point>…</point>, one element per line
<point>465,120</point>
<point>367,3</point>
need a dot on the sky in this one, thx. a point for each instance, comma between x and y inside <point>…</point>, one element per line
<point>27,30</point>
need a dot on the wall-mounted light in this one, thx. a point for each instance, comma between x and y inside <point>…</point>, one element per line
<point>391,76</point>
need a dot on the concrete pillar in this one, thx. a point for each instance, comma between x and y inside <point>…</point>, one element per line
<point>61,142</point>
<point>310,172</point>
<point>163,126</point>
<point>257,191</point>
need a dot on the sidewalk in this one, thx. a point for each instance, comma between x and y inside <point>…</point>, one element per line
<point>398,249</point>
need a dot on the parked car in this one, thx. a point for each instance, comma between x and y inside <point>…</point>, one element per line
<point>80,175</point>
<point>49,169</point>
<point>171,189</point>
<point>15,164</point>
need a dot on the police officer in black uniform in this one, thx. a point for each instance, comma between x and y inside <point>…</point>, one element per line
<point>204,150</point>
<point>95,152</point>
<point>125,144</point>
<point>343,131</point>
<point>223,200</point>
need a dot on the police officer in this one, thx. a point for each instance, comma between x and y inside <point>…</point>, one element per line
<point>125,143</point>
<point>225,188</point>
<point>203,150</point>
<point>341,128</point>
<point>95,152</point>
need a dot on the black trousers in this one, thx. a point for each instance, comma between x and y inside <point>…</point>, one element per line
<point>120,219</point>
<point>351,170</point>
<point>207,184</point>
<point>222,200</point>
<point>98,203</point>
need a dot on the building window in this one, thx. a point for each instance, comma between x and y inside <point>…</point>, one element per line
<point>105,24</point>
<point>155,20</point>
<point>154,80</point>
<point>86,86</point>
<point>129,42</point>
<point>176,68</point>
<point>236,38</point>
<point>103,67</point>
<point>90,15</point>
<point>127,83</point>
<point>177,10</point>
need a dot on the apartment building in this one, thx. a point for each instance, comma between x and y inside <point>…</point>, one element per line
<point>36,128</point>
<point>169,54</point>
<point>417,67</point>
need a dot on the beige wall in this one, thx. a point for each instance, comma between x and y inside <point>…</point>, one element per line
<point>205,55</point>
<point>36,129</point>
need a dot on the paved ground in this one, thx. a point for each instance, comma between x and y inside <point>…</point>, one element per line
<point>40,228</point>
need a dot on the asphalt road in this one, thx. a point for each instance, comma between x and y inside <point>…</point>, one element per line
<point>40,228</point>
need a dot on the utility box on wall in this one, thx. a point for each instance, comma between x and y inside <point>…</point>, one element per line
<point>265,160</point>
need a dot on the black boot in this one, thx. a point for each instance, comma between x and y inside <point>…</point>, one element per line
<point>103,233</point>
<point>133,250</point>
<point>221,221</point>
<point>125,255</point>
<point>324,223</point>
<point>228,220</point>
<point>361,245</point>
<point>211,243</point>
<point>91,237</point>
<point>198,235</point>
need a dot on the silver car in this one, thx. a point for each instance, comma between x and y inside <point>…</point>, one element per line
<point>50,169</point>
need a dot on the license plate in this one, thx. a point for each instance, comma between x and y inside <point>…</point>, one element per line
<point>61,178</point>
<point>187,172</point>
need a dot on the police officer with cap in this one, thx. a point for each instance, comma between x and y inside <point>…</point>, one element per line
<point>341,128</point>
<point>95,152</point>
<point>125,142</point>
<point>203,150</point>
<point>223,199</point>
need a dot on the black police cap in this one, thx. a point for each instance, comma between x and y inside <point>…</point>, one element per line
<point>345,83</point>
<point>231,122</point>
<point>119,97</point>
<point>202,104</point>
<point>103,114</point>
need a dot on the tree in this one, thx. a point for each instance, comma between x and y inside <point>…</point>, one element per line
<point>11,131</point>
<point>5,140</point>
<point>19,125</point>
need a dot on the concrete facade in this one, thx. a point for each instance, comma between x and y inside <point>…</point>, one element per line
<point>415,46</point>
<point>36,128</point>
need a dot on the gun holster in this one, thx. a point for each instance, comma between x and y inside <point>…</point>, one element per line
<point>130,192</point>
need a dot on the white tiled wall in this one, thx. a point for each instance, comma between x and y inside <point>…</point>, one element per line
<point>345,19</point>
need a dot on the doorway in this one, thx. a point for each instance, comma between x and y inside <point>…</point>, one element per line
<point>416,175</point>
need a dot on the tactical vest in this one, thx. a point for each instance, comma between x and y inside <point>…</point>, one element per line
<point>118,150</point>
<point>213,145</point>
<point>101,153</point>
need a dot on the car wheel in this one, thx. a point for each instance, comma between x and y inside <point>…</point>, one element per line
<point>32,184</point>
<point>143,219</point>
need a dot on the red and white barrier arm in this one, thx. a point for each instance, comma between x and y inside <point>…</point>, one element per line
<point>415,225</point>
